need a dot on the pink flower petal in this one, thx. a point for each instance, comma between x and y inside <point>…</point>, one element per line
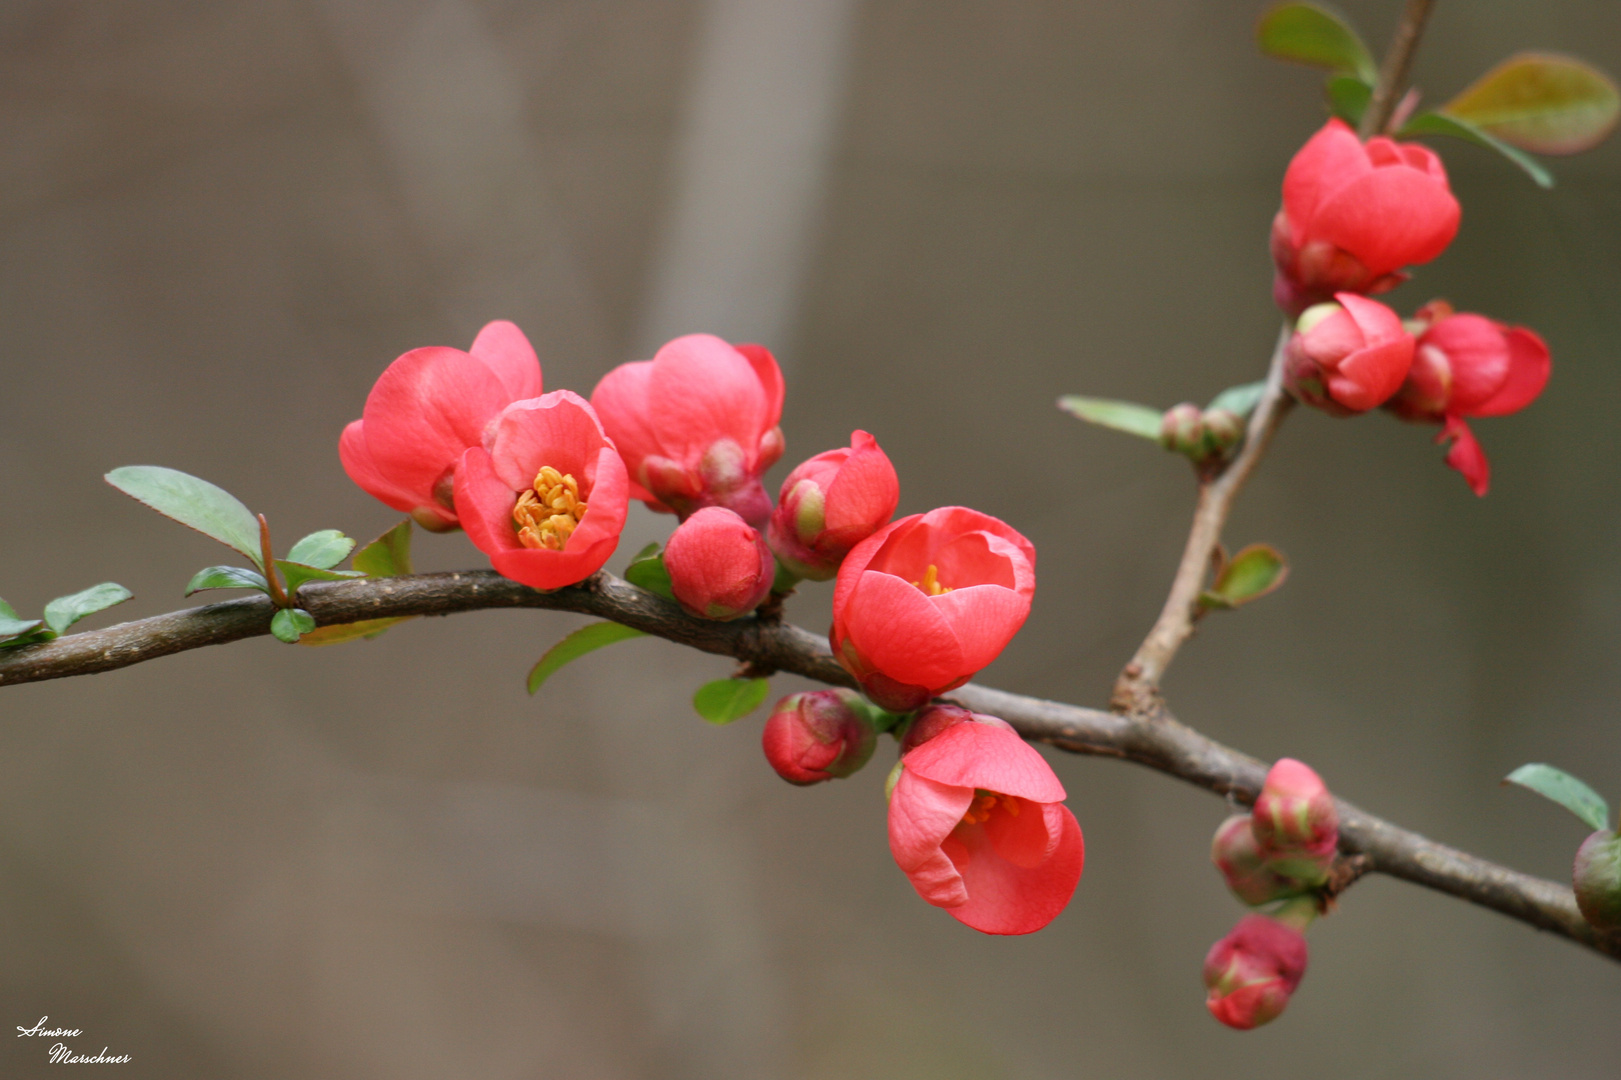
<point>508,354</point>
<point>922,814</point>
<point>557,429</point>
<point>1389,218</point>
<point>1466,454</point>
<point>425,409</point>
<point>900,633</point>
<point>1004,898</point>
<point>1331,158</point>
<point>984,619</point>
<point>990,757</point>
<point>1528,371</point>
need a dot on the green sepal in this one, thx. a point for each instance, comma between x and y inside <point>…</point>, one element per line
<point>725,700</point>
<point>586,639</point>
<point>226,577</point>
<point>288,623</point>
<point>1557,785</point>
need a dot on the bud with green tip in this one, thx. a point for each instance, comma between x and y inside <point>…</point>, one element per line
<point>1295,812</point>
<point>819,735</point>
<point>1251,973</point>
<point>1223,430</point>
<point>1182,429</point>
<point>1597,880</point>
<point>1248,869</point>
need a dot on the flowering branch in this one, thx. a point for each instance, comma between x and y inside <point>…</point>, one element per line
<point>1158,741</point>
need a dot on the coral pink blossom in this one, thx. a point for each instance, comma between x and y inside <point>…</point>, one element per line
<point>818,735</point>
<point>830,504</point>
<point>426,410</point>
<point>697,425</point>
<point>719,565</point>
<point>1353,215</point>
<point>924,603</point>
<point>545,496</point>
<point>1347,357</point>
<point>1252,972</point>
<point>1470,366</point>
<point>977,823</point>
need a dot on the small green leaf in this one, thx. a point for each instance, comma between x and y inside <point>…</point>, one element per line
<point>586,639</point>
<point>1431,123</point>
<point>1119,415</point>
<point>296,574</point>
<point>288,623</point>
<point>1542,102</point>
<point>13,628</point>
<point>227,577</point>
<point>1564,789</point>
<point>725,700</point>
<point>389,555</point>
<point>338,633</point>
<point>64,611</point>
<point>1309,34</point>
<point>211,510</point>
<point>324,549</point>
<point>1248,575</point>
<point>1239,399</point>
<point>646,571</point>
<point>1348,98</point>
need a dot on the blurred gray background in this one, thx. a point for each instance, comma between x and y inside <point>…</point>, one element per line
<point>220,221</point>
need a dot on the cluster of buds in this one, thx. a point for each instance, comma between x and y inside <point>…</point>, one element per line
<point>1201,434</point>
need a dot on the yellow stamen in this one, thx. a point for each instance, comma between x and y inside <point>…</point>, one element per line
<point>931,582</point>
<point>984,804</point>
<point>548,512</point>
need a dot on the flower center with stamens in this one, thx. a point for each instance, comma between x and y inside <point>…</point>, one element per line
<point>931,582</point>
<point>547,513</point>
<point>984,805</point>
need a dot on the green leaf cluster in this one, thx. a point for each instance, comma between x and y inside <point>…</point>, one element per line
<point>60,614</point>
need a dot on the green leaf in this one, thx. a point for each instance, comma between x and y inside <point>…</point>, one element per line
<point>227,577</point>
<point>1309,34</point>
<point>1119,415</point>
<point>212,511</point>
<point>16,628</point>
<point>1239,399</point>
<point>389,555</point>
<point>1541,102</point>
<point>1249,575</point>
<point>584,640</point>
<point>338,633</point>
<point>1348,98</point>
<point>64,611</point>
<point>324,549</point>
<point>1564,789</point>
<point>725,700</point>
<point>1431,123</point>
<point>288,623</point>
<point>296,574</point>
<point>646,571</point>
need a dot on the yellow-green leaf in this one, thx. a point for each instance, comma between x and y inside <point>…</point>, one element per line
<point>1541,102</point>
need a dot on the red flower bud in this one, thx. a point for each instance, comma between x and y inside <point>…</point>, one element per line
<point>977,824</point>
<point>1598,880</point>
<point>1348,357</point>
<point>545,496</point>
<point>719,566</point>
<point>1353,215</point>
<point>1251,972</point>
<point>427,409</point>
<point>924,603</point>
<point>818,735</point>
<point>1247,868</point>
<point>1295,812</point>
<point>830,504</point>
<point>1469,366</point>
<point>697,425</point>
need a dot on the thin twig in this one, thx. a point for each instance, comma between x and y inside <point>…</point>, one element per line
<point>1159,742</point>
<point>1398,62</point>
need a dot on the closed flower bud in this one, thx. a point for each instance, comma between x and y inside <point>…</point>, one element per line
<point>1354,215</point>
<point>1295,812</point>
<point>719,566</point>
<point>1223,430</point>
<point>830,504</point>
<point>1252,971</point>
<point>1182,429</point>
<point>1598,880</point>
<point>818,735</point>
<point>1347,357</point>
<point>1247,868</point>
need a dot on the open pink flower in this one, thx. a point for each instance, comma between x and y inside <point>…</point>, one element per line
<point>545,496</point>
<point>924,603</point>
<point>1252,972</point>
<point>830,504</point>
<point>1470,366</point>
<point>1353,215</point>
<point>1347,357</point>
<point>426,410</point>
<point>977,823</point>
<point>697,425</point>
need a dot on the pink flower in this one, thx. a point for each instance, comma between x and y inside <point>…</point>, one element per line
<point>697,425</point>
<point>1295,812</point>
<point>1348,357</point>
<point>924,603</point>
<point>719,566</point>
<point>1252,972</point>
<point>425,410</point>
<point>830,504</point>
<point>977,823</point>
<point>1470,366</point>
<point>818,735</point>
<point>1353,215</point>
<point>545,496</point>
